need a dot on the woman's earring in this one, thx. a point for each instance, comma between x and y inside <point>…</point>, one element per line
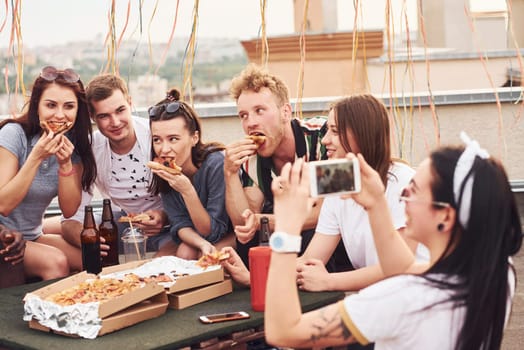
<point>440,227</point>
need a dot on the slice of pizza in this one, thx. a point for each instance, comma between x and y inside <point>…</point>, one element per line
<point>257,139</point>
<point>160,278</point>
<point>167,165</point>
<point>211,259</point>
<point>98,290</point>
<point>137,218</point>
<point>55,126</point>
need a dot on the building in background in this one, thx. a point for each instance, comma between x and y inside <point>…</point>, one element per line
<point>460,71</point>
<point>147,90</point>
<point>460,50</point>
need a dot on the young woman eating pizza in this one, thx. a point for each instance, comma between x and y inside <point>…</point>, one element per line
<point>38,165</point>
<point>193,196</point>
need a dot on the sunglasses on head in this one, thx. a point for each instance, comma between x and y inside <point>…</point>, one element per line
<point>169,107</point>
<point>50,73</point>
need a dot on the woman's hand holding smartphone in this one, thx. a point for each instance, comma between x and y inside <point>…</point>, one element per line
<point>334,177</point>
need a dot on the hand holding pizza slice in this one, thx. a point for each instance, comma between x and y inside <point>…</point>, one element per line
<point>211,259</point>
<point>55,126</point>
<point>167,165</point>
<point>257,139</point>
<point>135,218</point>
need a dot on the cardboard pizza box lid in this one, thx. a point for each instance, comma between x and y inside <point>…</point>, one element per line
<point>107,308</point>
<point>208,276</point>
<point>197,280</point>
<point>186,298</point>
<point>145,310</point>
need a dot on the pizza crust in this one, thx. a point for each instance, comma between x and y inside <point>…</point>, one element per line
<point>56,127</point>
<point>257,139</point>
<point>98,290</point>
<point>211,259</point>
<point>137,218</point>
<point>169,166</point>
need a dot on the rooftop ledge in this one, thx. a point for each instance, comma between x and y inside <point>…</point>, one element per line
<point>434,54</point>
<point>321,104</point>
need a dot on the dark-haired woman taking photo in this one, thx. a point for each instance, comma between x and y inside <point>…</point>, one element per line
<point>460,205</point>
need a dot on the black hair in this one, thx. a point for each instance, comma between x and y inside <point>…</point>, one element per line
<point>477,256</point>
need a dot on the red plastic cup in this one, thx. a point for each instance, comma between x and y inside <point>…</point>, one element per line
<point>259,258</point>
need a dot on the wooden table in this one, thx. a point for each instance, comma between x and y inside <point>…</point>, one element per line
<point>173,330</point>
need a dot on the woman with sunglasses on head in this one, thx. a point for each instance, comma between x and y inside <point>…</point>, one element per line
<point>357,124</point>
<point>39,164</point>
<point>460,205</point>
<point>194,200</point>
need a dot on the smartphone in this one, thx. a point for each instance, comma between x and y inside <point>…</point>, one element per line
<point>229,316</point>
<point>334,177</point>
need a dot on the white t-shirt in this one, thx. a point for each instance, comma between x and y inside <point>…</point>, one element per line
<point>347,218</point>
<point>129,199</point>
<point>391,314</point>
<point>130,181</point>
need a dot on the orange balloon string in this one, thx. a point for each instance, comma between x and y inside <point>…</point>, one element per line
<point>502,141</point>
<point>169,41</point>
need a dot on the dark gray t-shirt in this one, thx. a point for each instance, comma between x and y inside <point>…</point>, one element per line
<point>210,186</point>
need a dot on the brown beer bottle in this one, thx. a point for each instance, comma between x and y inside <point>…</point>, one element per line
<point>109,231</point>
<point>264,232</point>
<point>90,239</point>
<point>10,275</point>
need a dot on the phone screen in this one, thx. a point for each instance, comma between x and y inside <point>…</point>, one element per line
<point>334,177</point>
<point>229,316</point>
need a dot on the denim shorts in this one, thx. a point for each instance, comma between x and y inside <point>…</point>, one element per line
<point>213,238</point>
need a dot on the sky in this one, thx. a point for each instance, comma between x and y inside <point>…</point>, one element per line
<point>52,22</point>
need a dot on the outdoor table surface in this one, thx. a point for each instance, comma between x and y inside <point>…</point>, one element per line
<point>174,329</point>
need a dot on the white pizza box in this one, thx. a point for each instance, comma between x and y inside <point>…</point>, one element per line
<point>182,299</point>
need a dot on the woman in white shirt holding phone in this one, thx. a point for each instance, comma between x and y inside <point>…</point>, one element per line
<point>358,124</point>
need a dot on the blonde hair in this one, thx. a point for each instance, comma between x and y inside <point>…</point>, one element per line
<point>254,78</point>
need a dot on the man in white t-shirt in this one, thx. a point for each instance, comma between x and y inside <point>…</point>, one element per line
<point>122,147</point>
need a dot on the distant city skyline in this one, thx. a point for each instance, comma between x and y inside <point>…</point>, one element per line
<point>55,22</point>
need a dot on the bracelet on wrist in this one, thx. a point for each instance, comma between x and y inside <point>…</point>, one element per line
<point>69,173</point>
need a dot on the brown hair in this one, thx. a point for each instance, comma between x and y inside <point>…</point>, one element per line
<point>254,78</point>
<point>80,133</point>
<point>199,152</point>
<point>102,87</point>
<point>367,118</point>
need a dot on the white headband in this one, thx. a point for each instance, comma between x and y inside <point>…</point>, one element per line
<point>463,167</point>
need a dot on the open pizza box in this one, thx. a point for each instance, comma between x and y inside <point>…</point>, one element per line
<point>145,310</point>
<point>192,286</point>
<point>93,319</point>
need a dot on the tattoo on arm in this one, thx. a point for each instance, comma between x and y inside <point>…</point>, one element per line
<point>329,325</point>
